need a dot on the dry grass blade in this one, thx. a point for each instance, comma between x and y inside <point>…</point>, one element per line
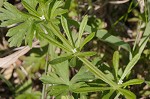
<point>142,5</point>
<point>10,59</point>
<point>118,2</point>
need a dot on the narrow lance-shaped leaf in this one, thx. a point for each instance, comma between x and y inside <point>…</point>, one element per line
<point>65,27</point>
<point>32,3</point>
<point>116,62</point>
<point>130,66</point>
<point>30,9</point>
<point>60,11</point>
<point>49,8</point>
<point>128,94</point>
<point>30,33</point>
<point>9,22</point>
<point>145,38</point>
<point>87,39</point>
<point>60,36</point>
<point>48,2</point>
<point>81,30</point>
<point>91,89</point>
<point>97,72</point>
<point>108,95</point>
<point>133,82</point>
<point>107,37</point>
<point>84,54</point>
<point>56,5</point>
<point>53,41</point>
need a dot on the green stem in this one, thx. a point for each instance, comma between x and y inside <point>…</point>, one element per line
<point>45,85</point>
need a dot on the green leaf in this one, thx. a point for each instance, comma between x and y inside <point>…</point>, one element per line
<point>84,54</point>
<point>87,39</point>
<point>22,31</point>
<point>82,75</point>
<point>58,90</point>
<point>9,23</point>
<point>104,36</point>
<point>59,75</point>
<point>128,94</point>
<point>99,74</point>
<point>73,62</point>
<point>130,65</point>
<point>56,5</point>
<point>91,89</point>
<point>145,38</point>
<point>78,85</point>
<point>81,30</point>
<point>48,1</point>
<point>44,8</point>
<point>11,14</point>
<point>60,59</point>
<point>32,3</point>
<point>53,41</point>
<point>10,7</point>
<point>17,34</point>
<point>62,70</point>
<point>67,4</point>
<point>56,31</point>
<point>116,62</point>
<point>66,29</point>
<point>52,78</point>
<point>133,82</point>
<point>60,11</point>
<point>30,33</point>
<point>30,9</point>
<point>108,95</point>
<point>23,25</point>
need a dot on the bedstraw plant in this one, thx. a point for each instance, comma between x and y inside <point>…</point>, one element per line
<point>47,21</point>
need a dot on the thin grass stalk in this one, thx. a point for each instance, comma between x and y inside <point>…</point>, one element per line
<point>45,85</point>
